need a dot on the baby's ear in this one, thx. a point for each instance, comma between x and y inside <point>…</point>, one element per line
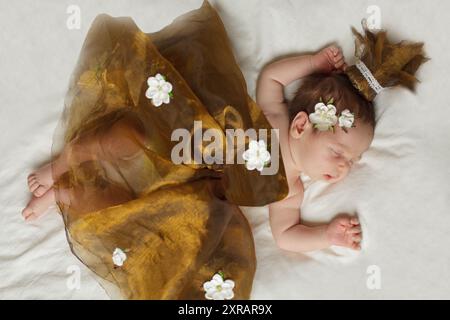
<point>299,124</point>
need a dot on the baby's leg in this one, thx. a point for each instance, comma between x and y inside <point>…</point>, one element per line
<point>123,139</point>
<point>42,179</point>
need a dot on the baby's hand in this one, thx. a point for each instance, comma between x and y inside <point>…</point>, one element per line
<point>328,60</point>
<point>344,231</point>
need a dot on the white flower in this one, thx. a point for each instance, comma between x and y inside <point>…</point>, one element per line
<point>324,116</point>
<point>119,257</point>
<point>256,156</point>
<point>346,119</point>
<point>217,289</point>
<point>159,90</point>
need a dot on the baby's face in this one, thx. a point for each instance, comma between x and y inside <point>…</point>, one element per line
<point>326,155</point>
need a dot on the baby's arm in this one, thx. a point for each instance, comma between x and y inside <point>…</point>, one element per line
<point>290,235</point>
<point>272,79</point>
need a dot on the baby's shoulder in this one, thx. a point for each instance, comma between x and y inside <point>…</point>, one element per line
<point>294,182</point>
<point>281,121</point>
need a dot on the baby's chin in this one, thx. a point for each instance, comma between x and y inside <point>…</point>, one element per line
<point>321,177</point>
<point>331,179</point>
<point>314,176</point>
<point>324,177</point>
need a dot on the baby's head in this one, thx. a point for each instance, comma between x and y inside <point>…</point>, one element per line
<point>328,155</point>
<point>381,64</point>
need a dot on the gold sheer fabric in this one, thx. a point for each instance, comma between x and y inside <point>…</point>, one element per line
<point>178,224</point>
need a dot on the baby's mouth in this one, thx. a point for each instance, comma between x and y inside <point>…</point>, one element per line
<point>328,177</point>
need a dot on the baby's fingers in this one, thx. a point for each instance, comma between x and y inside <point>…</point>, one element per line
<point>332,53</point>
<point>353,244</point>
<point>335,50</point>
<point>357,237</point>
<point>354,230</point>
<point>339,64</point>
<point>356,246</point>
<point>348,221</point>
<point>337,57</point>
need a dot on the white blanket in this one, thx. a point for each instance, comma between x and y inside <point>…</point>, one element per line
<point>400,190</point>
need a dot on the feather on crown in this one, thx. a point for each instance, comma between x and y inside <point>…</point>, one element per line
<point>390,64</point>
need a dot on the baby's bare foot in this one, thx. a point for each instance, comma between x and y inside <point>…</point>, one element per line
<point>40,180</point>
<point>38,205</point>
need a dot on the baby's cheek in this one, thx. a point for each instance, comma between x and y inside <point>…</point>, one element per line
<point>327,160</point>
<point>315,165</point>
<point>319,160</point>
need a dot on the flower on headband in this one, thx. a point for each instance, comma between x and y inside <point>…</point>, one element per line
<point>346,119</point>
<point>324,117</point>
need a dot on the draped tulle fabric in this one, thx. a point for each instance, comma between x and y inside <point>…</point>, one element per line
<point>178,224</point>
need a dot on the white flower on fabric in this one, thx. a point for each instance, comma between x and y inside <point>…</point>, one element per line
<point>346,119</point>
<point>324,116</point>
<point>256,156</point>
<point>119,257</point>
<point>218,289</point>
<point>159,90</point>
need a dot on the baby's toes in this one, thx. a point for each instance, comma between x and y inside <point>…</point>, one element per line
<point>34,186</point>
<point>31,180</point>
<point>31,212</point>
<point>38,206</point>
<point>27,212</point>
<point>39,191</point>
<point>356,246</point>
<point>32,217</point>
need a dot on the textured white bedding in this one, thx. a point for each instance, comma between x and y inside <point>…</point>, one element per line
<point>400,190</point>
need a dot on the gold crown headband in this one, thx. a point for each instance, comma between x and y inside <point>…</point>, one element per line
<point>381,64</point>
<point>371,80</point>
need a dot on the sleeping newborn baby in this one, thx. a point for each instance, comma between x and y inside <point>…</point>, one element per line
<point>329,124</point>
<point>323,131</point>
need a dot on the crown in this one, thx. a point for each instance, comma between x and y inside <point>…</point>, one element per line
<point>381,64</point>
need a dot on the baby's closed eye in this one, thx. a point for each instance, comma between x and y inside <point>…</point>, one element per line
<point>338,154</point>
<point>335,152</point>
